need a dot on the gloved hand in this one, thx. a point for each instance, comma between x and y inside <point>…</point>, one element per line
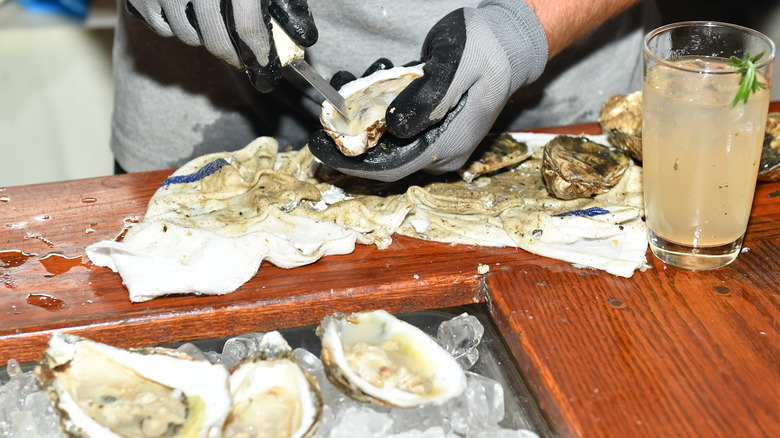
<point>235,31</point>
<point>475,58</point>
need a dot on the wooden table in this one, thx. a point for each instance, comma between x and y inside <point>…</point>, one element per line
<point>665,353</point>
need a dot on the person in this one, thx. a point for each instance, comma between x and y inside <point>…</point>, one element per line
<point>190,82</point>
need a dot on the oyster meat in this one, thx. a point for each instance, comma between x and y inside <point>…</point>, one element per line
<point>575,167</point>
<point>273,397</point>
<point>104,391</point>
<point>621,119</point>
<point>374,356</point>
<point>367,99</point>
<point>769,169</point>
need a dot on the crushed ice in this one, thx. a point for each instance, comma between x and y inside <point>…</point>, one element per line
<point>26,412</point>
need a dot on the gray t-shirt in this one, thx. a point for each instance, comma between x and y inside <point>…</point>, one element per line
<point>174,102</point>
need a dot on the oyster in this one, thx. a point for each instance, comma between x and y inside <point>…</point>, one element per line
<point>367,99</point>
<point>621,120</point>
<point>373,356</point>
<point>769,169</point>
<point>501,152</point>
<point>272,395</point>
<point>575,167</point>
<point>104,391</point>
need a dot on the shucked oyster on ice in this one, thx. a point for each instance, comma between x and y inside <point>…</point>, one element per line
<point>374,356</point>
<point>104,391</point>
<point>575,167</point>
<point>272,395</point>
<point>621,120</point>
<point>367,99</point>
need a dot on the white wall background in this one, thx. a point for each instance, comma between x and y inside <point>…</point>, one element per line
<point>55,97</point>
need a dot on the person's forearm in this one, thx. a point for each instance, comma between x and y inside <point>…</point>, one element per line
<point>566,21</point>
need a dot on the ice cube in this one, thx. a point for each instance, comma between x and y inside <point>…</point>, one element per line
<point>481,405</point>
<point>420,418</point>
<point>360,421</point>
<point>498,432</point>
<point>238,348</point>
<point>13,368</point>
<point>461,336</point>
<point>433,432</point>
<point>193,351</point>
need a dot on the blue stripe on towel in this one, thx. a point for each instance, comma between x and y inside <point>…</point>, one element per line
<point>203,172</point>
<point>590,212</point>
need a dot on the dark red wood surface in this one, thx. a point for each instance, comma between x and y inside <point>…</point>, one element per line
<point>665,353</point>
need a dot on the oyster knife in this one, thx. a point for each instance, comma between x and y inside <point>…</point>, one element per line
<point>291,54</point>
<point>320,84</point>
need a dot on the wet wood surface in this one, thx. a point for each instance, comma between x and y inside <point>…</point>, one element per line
<point>665,353</point>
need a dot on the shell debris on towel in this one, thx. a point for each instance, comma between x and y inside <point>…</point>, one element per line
<point>210,225</point>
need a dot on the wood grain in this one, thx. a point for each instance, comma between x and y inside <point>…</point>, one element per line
<point>48,219</point>
<point>665,353</point>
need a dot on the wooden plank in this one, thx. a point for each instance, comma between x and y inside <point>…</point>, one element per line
<point>667,352</point>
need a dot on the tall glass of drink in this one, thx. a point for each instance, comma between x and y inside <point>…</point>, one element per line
<point>700,146</point>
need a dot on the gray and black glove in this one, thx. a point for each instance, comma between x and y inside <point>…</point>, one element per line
<point>235,31</point>
<point>475,58</point>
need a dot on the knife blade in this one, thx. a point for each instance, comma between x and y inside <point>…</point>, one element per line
<point>320,84</point>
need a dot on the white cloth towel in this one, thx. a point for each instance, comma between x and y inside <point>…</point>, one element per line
<point>210,225</point>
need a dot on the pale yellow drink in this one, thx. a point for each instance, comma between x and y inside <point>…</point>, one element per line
<point>700,153</point>
<point>700,156</point>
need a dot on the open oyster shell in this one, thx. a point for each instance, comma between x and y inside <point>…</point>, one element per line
<point>575,167</point>
<point>104,391</point>
<point>621,119</point>
<point>769,169</point>
<point>272,395</point>
<point>367,99</point>
<point>374,356</point>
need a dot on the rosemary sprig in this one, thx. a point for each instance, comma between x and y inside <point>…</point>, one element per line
<point>749,82</point>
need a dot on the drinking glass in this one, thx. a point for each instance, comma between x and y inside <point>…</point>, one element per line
<point>700,153</point>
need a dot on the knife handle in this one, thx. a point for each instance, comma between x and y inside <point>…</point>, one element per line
<point>286,48</point>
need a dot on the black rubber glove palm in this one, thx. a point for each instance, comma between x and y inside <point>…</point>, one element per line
<point>475,58</point>
<point>235,31</point>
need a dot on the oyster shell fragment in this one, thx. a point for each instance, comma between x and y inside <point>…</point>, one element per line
<point>575,167</point>
<point>621,119</point>
<point>769,169</point>
<point>374,356</point>
<point>367,99</point>
<point>104,391</point>
<point>272,395</point>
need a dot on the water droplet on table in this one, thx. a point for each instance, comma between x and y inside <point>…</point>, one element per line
<point>14,258</point>
<point>45,301</point>
<point>56,263</point>
<point>39,237</point>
